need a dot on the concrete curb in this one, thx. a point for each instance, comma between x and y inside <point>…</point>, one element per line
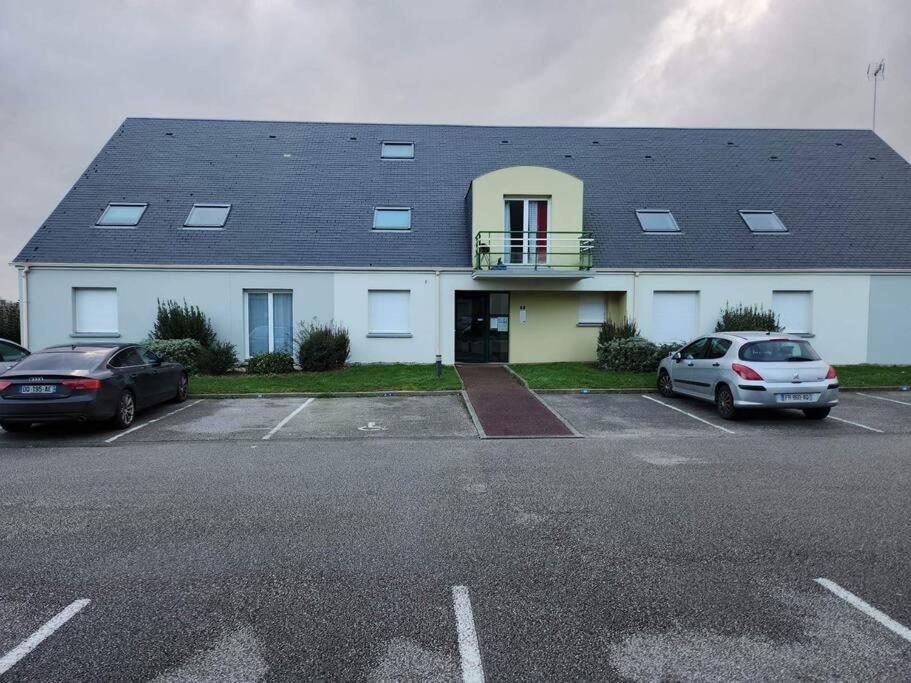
<point>331,394</point>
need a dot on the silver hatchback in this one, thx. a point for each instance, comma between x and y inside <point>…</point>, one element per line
<point>737,370</point>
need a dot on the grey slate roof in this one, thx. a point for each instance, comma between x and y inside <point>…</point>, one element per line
<point>845,195</point>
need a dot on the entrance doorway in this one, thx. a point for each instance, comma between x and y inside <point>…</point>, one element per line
<point>482,327</point>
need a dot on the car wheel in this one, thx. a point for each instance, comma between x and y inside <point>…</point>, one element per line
<point>183,388</point>
<point>816,413</point>
<point>126,410</point>
<point>15,426</point>
<point>666,384</point>
<point>724,402</point>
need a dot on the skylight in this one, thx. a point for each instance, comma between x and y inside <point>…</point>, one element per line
<point>392,218</point>
<point>397,150</point>
<point>763,221</point>
<point>124,215</point>
<point>208,216</point>
<point>657,220</point>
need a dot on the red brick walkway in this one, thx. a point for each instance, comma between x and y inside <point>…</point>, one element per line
<point>504,406</point>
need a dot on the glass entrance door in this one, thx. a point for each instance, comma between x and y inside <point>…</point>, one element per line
<point>482,327</point>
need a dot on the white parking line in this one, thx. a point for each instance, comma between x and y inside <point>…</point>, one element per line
<point>11,658</point>
<point>695,417</point>
<point>287,419</point>
<point>146,424</point>
<point>883,398</point>
<point>866,608</point>
<point>856,424</point>
<point>469,652</point>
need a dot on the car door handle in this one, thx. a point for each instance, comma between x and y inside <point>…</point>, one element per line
<point>690,363</point>
<point>715,365</point>
<point>134,375</point>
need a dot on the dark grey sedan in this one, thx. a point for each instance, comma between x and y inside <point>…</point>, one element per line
<point>87,382</point>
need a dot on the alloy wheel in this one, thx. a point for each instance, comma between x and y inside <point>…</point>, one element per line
<point>127,408</point>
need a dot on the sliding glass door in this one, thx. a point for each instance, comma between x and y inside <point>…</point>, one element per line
<point>269,323</point>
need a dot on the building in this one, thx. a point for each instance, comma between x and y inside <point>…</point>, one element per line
<point>477,243</point>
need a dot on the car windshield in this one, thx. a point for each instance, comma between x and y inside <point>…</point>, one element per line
<point>778,351</point>
<point>62,362</point>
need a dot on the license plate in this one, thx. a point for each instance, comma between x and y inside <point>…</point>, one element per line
<point>797,398</point>
<point>38,389</point>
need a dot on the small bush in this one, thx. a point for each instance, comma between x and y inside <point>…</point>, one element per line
<point>174,321</point>
<point>622,330</point>
<point>218,359</point>
<point>322,346</point>
<point>183,351</point>
<point>747,318</point>
<point>276,363</point>
<point>9,320</point>
<point>633,354</point>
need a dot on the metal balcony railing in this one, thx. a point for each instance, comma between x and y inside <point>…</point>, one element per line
<point>533,250</point>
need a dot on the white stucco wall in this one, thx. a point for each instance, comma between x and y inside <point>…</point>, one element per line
<point>841,304</point>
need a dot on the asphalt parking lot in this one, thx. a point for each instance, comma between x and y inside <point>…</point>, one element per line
<point>381,539</point>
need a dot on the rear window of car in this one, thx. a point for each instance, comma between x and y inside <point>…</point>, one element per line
<point>778,351</point>
<point>62,362</point>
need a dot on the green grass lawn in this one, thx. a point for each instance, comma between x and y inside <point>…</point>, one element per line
<point>354,378</point>
<point>589,376</point>
<point>860,376</point>
<point>581,376</point>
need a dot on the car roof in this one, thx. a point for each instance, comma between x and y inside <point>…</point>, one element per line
<point>754,335</point>
<point>80,348</point>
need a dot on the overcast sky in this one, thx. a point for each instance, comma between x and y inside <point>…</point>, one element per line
<point>70,72</point>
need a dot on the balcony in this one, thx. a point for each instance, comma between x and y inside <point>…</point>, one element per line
<point>533,254</point>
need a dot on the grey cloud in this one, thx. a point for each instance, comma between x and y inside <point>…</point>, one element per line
<point>73,71</point>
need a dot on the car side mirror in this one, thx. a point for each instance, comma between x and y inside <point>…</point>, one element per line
<point>156,363</point>
<point>676,357</point>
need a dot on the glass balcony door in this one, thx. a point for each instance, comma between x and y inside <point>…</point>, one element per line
<point>526,222</point>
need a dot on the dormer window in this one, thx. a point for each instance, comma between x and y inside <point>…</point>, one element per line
<point>122,215</point>
<point>657,220</point>
<point>392,218</point>
<point>208,216</point>
<point>397,150</point>
<point>763,221</point>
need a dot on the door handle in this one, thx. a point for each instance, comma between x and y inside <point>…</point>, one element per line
<point>690,363</point>
<point>134,375</point>
<point>715,365</point>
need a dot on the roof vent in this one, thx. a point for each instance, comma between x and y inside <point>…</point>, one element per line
<point>271,137</point>
<point>872,158</point>
<point>838,144</point>
<point>596,142</point>
<point>169,133</point>
<point>504,142</point>
<point>568,156</point>
<point>353,137</point>
<point>730,143</point>
<point>648,156</point>
<point>773,158</point>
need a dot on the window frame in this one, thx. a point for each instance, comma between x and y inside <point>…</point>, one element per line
<point>767,212</point>
<point>809,295</point>
<point>676,230</point>
<point>391,143</point>
<point>271,323</point>
<point>207,205</point>
<point>402,209</point>
<point>391,334</point>
<point>602,297</point>
<point>94,334</point>
<point>139,205</point>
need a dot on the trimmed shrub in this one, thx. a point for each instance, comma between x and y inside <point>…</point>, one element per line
<point>9,320</point>
<point>622,330</point>
<point>276,363</point>
<point>183,351</point>
<point>633,354</point>
<point>747,318</point>
<point>218,359</point>
<point>174,321</point>
<point>322,346</point>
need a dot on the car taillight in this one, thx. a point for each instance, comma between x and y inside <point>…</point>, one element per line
<point>87,384</point>
<point>831,373</point>
<point>4,384</point>
<point>744,372</point>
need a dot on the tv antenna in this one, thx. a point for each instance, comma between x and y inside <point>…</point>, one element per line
<point>876,71</point>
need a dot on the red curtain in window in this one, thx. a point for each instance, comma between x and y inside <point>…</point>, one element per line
<point>541,237</point>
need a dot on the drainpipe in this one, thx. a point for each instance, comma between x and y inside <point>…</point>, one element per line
<point>436,326</point>
<point>635,315</point>
<point>23,306</point>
